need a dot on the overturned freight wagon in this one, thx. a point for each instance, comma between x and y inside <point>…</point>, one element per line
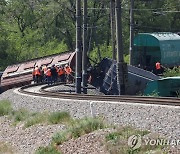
<point>21,74</point>
<point>150,48</point>
<point>169,86</point>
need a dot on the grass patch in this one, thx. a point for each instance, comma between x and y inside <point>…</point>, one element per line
<point>77,129</point>
<point>19,115</point>
<point>117,142</point>
<point>5,108</point>
<point>47,150</point>
<point>59,117</point>
<point>52,118</point>
<point>36,118</point>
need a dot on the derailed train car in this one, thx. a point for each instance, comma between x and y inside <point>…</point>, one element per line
<point>21,74</point>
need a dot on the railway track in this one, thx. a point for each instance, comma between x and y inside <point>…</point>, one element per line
<point>170,101</point>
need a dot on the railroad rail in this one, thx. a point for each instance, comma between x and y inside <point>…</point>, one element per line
<point>170,101</point>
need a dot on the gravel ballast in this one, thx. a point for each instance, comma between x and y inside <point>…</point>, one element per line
<point>164,120</point>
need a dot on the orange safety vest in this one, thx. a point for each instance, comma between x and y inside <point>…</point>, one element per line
<point>37,72</point>
<point>33,72</point>
<point>158,66</point>
<point>48,72</point>
<point>61,71</point>
<point>68,70</point>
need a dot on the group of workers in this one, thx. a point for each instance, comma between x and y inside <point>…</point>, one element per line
<point>52,74</point>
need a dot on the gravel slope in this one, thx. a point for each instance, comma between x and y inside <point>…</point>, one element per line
<point>91,143</point>
<point>26,141</point>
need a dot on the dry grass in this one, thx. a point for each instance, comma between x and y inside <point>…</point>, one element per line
<point>6,149</point>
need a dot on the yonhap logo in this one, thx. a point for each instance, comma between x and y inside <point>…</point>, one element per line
<point>135,141</point>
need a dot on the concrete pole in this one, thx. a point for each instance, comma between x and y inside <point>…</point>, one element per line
<point>78,47</point>
<point>112,14</point>
<point>131,30</point>
<point>84,66</point>
<point>120,59</point>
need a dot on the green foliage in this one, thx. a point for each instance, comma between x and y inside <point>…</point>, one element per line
<point>52,118</point>
<point>172,72</point>
<point>86,126</point>
<point>98,53</point>
<point>33,29</point>
<point>61,137</point>
<point>59,117</point>
<point>36,119</point>
<point>5,107</point>
<point>116,142</point>
<point>47,150</point>
<point>125,133</point>
<point>78,128</point>
<point>113,136</point>
<point>127,58</point>
<point>20,115</point>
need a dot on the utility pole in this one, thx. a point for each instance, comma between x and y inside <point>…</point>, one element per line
<point>120,59</point>
<point>112,14</point>
<point>84,66</point>
<point>131,30</point>
<point>78,47</point>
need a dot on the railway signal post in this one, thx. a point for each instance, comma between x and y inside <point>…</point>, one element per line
<point>78,47</point>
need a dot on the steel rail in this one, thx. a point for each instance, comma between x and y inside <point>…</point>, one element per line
<point>170,101</point>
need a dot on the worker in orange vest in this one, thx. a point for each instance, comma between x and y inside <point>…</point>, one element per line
<point>49,76</point>
<point>68,72</point>
<point>37,74</point>
<point>158,68</point>
<point>61,74</point>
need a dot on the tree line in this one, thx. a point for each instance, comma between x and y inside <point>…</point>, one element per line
<point>35,28</point>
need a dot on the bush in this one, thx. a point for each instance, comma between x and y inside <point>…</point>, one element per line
<point>5,108</point>
<point>59,117</point>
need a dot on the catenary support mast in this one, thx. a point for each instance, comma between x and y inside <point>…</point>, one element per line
<point>84,66</point>
<point>112,13</point>
<point>131,30</point>
<point>120,60</point>
<point>78,47</point>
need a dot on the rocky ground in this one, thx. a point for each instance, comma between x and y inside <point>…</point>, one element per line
<point>26,141</point>
<point>92,143</point>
